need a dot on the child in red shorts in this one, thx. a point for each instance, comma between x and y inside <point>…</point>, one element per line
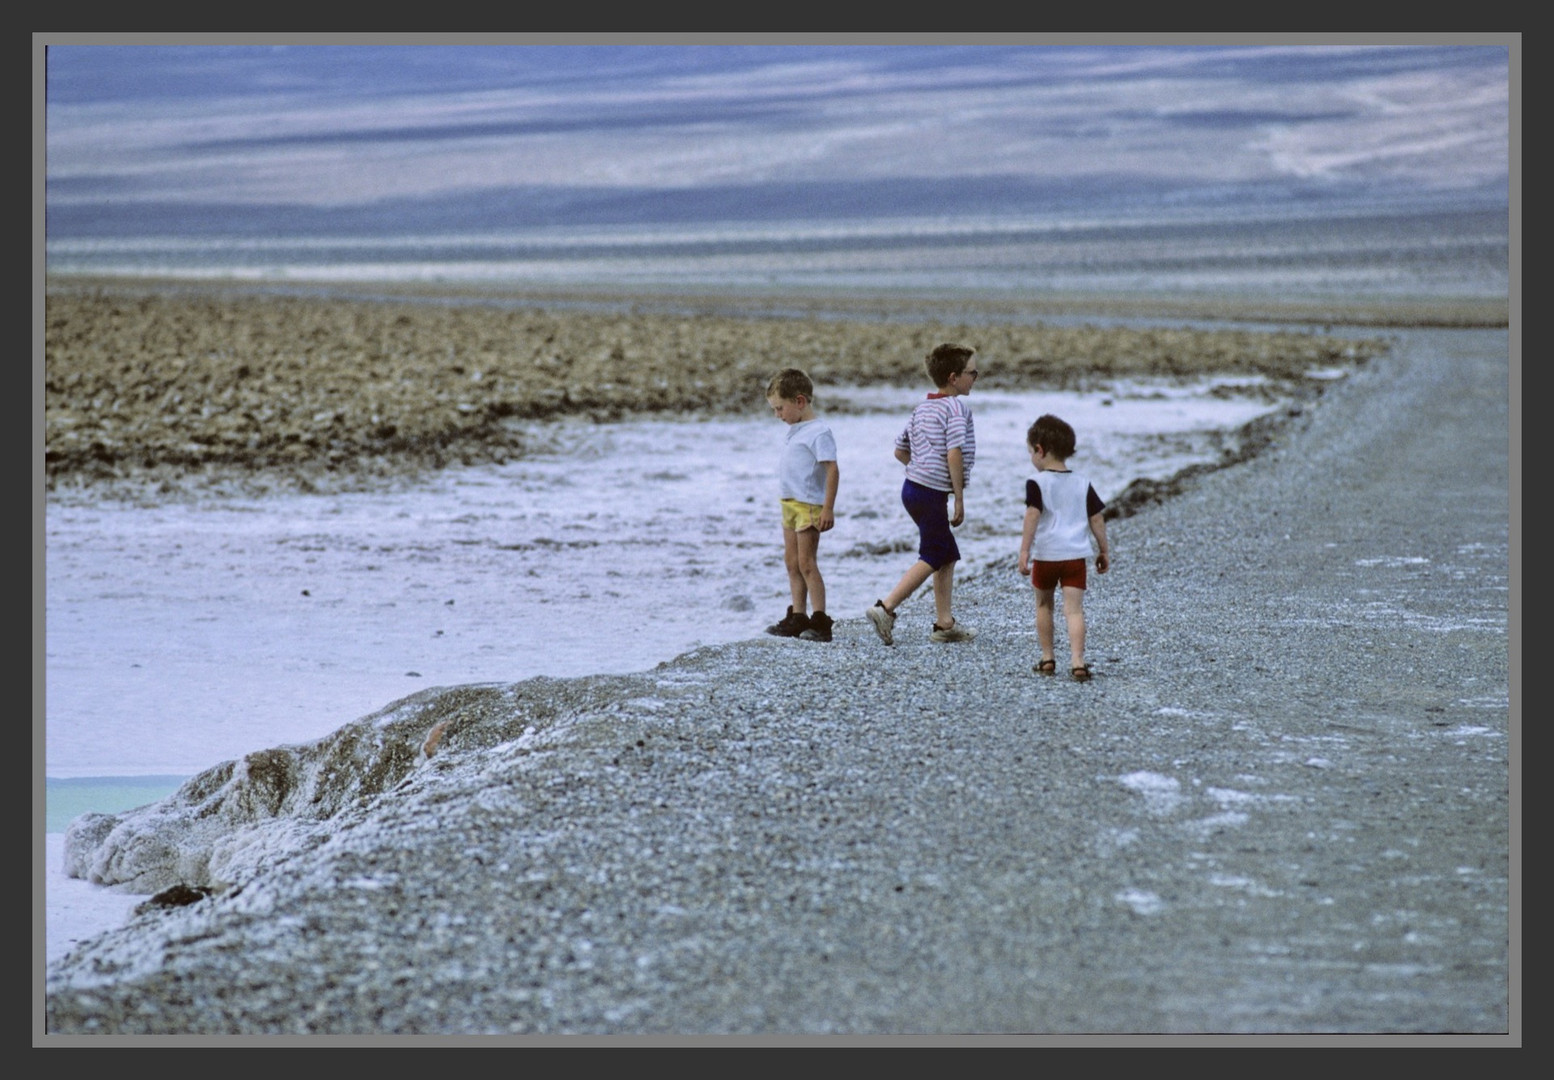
<point>1062,513</point>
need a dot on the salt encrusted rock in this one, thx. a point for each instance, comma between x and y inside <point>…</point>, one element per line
<point>83,837</point>
<point>229,822</point>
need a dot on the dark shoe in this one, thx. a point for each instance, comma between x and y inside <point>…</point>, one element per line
<point>819,627</point>
<point>792,624</point>
<point>1046,667</point>
<point>1081,673</point>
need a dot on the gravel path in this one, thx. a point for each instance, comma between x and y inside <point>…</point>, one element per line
<point>1283,805</point>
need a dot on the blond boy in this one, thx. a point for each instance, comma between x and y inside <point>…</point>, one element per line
<point>807,478</point>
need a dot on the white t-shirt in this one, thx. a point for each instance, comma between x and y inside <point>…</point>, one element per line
<point>1067,501</point>
<point>801,474</point>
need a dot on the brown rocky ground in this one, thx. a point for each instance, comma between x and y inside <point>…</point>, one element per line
<point>164,384</point>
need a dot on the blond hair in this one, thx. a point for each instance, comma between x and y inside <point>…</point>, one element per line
<point>789,383</point>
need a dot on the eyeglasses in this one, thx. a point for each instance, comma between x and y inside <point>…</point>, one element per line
<point>973,372</point>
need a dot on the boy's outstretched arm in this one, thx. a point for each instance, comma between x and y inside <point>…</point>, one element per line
<point>1103,555</point>
<point>1032,516</point>
<point>828,508</point>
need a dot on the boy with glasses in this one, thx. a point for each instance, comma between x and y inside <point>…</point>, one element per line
<point>938,447</point>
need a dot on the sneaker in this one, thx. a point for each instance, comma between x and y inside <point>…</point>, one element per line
<point>819,627</point>
<point>792,625</point>
<point>884,622</point>
<point>954,632</point>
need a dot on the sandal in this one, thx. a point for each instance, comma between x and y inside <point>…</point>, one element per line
<point>1080,673</point>
<point>1046,667</point>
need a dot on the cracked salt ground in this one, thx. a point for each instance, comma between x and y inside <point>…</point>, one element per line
<point>1162,794</point>
<point>1142,901</point>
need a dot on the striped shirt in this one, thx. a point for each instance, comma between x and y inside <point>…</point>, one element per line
<point>937,426</point>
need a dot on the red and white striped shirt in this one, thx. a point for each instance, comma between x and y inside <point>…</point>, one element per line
<point>936,426</point>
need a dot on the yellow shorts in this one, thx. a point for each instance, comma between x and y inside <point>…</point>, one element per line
<point>799,516</point>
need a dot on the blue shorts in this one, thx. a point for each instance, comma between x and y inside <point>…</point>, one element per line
<point>930,509</point>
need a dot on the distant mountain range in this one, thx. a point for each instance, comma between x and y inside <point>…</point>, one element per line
<point>995,198</point>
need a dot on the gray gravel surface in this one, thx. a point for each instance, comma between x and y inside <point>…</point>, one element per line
<point>1282,807</point>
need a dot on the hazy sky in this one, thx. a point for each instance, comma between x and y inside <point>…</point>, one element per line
<point>328,125</point>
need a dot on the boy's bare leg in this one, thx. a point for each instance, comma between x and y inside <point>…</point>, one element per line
<point>808,545</point>
<point>916,574</point>
<point>1044,600</point>
<point>943,586</point>
<point>798,589</point>
<point>1074,615</point>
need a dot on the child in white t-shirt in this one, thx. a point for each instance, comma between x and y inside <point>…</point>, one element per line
<point>1062,513</point>
<point>807,479</point>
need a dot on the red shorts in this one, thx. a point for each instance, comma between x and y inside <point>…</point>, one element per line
<point>1069,573</point>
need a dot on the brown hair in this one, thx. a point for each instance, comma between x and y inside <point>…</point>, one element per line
<point>947,361</point>
<point>789,383</point>
<point>1054,436</point>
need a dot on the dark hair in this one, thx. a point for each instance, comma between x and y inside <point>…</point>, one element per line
<point>789,383</point>
<point>1054,436</point>
<point>947,361</point>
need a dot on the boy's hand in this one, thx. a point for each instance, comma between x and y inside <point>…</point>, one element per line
<point>1103,563</point>
<point>1025,565</point>
<point>826,520</point>
<point>960,511</point>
